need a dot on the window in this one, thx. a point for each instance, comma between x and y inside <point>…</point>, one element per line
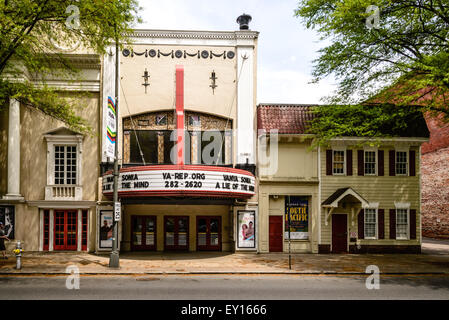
<point>370,162</point>
<point>154,149</point>
<point>401,163</point>
<point>338,162</point>
<point>65,165</point>
<point>370,223</point>
<point>401,223</point>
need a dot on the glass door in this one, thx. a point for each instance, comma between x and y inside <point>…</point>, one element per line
<point>208,233</point>
<point>65,230</point>
<point>143,233</point>
<point>176,233</point>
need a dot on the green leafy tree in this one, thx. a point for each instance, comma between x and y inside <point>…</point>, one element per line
<point>397,54</point>
<point>32,34</point>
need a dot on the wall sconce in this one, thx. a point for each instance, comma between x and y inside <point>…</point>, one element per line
<point>213,85</point>
<point>145,77</point>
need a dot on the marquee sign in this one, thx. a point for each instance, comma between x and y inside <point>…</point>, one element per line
<point>181,180</point>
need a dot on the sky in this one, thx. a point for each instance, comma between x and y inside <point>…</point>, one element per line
<point>286,49</point>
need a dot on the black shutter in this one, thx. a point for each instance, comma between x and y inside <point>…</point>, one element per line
<point>412,163</point>
<point>329,162</point>
<point>392,223</point>
<point>381,223</point>
<point>392,162</point>
<point>361,224</point>
<point>412,224</point>
<point>360,163</point>
<point>349,162</point>
<point>381,164</point>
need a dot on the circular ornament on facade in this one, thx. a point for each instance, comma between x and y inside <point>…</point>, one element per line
<point>230,54</point>
<point>205,54</point>
<point>126,52</point>
<point>178,54</point>
<point>152,53</point>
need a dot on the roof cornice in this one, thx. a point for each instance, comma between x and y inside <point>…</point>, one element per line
<point>191,34</point>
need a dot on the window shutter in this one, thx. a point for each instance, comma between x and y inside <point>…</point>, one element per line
<point>392,223</point>
<point>380,161</point>
<point>349,162</point>
<point>392,163</point>
<point>381,224</point>
<point>361,224</point>
<point>360,163</point>
<point>329,162</point>
<point>412,224</point>
<point>412,163</point>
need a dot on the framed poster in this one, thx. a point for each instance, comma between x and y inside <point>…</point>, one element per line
<point>246,229</point>
<point>298,208</point>
<point>8,219</point>
<point>106,229</point>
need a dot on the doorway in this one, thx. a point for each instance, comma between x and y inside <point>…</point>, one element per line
<point>339,233</point>
<point>275,231</point>
<point>143,233</point>
<point>66,227</point>
<point>208,233</point>
<point>176,233</point>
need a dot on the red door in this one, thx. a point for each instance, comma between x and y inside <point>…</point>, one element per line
<point>176,233</point>
<point>339,233</point>
<point>143,232</point>
<point>208,233</point>
<point>275,231</point>
<point>65,230</point>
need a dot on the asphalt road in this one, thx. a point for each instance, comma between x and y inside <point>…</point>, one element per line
<point>225,287</point>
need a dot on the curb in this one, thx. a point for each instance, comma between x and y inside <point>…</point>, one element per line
<point>37,274</point>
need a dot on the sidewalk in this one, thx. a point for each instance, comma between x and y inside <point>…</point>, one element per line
<point>227,263</point>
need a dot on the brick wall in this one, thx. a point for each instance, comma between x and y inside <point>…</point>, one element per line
<point>435,191</point>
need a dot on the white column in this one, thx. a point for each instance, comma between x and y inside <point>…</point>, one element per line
<point>14,152</point>
<point>245,105</point>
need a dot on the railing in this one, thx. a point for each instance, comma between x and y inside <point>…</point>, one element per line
<point>63,192</point>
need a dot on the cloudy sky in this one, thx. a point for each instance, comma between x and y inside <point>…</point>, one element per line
<point>286,48</point>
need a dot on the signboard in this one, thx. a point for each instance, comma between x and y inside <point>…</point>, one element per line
<point>117,211</point>
<point>298,208</point>
<point>246,229</point>
<point>7,217</point>
<point>193,180</point>
<point>106,229</point>
<point>111,130</point>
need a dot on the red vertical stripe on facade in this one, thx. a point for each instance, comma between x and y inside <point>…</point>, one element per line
<point>180,113</point>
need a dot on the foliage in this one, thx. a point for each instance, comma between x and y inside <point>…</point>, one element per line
<point>31,32</point>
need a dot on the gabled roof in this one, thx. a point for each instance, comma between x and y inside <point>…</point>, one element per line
<point>287,118</point>
<point>339,194</point>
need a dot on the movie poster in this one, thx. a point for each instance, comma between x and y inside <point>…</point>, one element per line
<point>106,229</point>
<point>246,229</point>
<point>298,208</point>
<point>7,217</point>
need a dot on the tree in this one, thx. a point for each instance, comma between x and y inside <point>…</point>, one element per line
<point>31,35</point>
<point>381,52</point>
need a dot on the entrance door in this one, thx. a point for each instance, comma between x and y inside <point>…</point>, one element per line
<point>208,236</point>
<point>339,233</point>
<point>176,233</point>
<point>275,231</point>
<point>143,232</point>
<point>66,227</point>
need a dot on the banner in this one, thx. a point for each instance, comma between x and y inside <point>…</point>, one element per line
<point>246,229</point>
<point>106,229</point>
<point>111,130</point>
<point>298,208</point>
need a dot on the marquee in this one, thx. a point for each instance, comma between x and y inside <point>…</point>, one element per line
<point>181,180</point>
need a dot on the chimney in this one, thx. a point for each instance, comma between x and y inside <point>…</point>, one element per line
<point>244,21</point>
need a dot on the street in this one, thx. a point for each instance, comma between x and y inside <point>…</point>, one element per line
<point>225,287</point>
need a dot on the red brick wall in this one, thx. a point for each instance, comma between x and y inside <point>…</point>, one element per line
<point>435,191</point>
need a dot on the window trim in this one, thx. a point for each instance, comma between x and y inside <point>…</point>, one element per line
<point>344,161</point>
<point>376,162</point>
<point>407,171</point>
<point>375,207</point>
<point>402,206</point>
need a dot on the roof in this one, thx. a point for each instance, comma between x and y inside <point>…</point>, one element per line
<point>287,118</point>
<point>294,119</point>
<point>339,194</point>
